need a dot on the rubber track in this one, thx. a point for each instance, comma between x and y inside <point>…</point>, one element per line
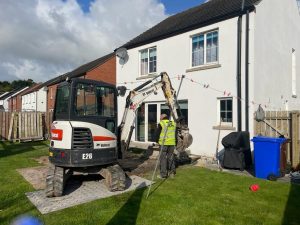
<point>116,179</point>
<point>55,181</point>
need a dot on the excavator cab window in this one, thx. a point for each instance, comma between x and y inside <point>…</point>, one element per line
<point>93,100</point>
<point>61,110</point>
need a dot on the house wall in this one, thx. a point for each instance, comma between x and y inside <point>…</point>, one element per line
<point>6,104</point>
<point>29,102</point>
<point>174,57</point>
<point>277,32</point>
<point>41,98</point>
<point>105,72</point>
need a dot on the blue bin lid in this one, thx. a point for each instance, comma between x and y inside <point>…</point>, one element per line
<point>268,139</point>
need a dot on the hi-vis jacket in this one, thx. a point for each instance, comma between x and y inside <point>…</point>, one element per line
<point>170,138</point>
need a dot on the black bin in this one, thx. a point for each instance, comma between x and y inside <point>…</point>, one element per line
<point>237,151</point>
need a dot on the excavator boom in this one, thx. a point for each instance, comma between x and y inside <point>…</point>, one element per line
<point>134,100</point>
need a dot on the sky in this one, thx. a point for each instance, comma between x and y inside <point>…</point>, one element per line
<point>41,39</point>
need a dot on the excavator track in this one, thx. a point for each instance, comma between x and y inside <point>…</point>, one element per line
<point>115,178</point>
<point>55,181</point>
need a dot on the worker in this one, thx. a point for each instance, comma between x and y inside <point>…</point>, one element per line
<point>166,137</point>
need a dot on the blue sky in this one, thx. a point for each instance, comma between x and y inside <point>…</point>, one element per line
<point>172,6</point>
<point>57,37</point>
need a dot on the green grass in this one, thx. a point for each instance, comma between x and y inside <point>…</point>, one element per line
<point>195,196</point>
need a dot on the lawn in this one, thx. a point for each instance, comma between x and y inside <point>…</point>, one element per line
<point>195,196</point>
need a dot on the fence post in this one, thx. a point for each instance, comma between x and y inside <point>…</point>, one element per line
<point>295,138</point>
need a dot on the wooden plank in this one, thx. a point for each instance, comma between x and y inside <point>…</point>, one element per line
<point>1,136</point>
<point>295,137</point>
<point>3,126</point>
<point>19,126</point>
<point>15,126</point>
<point>26,125</point>
<point>11,126</point>
<point>35,124</point>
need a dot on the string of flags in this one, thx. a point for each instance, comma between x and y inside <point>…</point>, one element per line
<point>225,93</point>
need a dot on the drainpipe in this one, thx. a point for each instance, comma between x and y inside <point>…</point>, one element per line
<point>239,74</point>
<point>247,74</point>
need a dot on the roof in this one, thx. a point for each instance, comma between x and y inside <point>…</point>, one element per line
<point>4,93</point>
<point>19,91</point>
<point>9,94</point>
<point>206,14</point>
<point>80,71</point>
<point>55,80</point>
<point>31,89</point>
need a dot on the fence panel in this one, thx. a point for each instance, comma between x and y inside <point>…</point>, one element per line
<point>286,123</point>
<point>25,126</point>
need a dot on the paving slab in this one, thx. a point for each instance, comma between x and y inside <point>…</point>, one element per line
<point>76,194</point>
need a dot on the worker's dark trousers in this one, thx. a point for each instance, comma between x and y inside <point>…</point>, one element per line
<point>167,161</point>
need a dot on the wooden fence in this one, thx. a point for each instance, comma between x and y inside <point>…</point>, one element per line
<point>24,126</point>
<point>286,123</point>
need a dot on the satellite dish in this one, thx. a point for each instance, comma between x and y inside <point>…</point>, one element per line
<point>123,56</point>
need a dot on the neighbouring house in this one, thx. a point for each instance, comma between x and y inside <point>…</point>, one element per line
<point>234,56</point>
<point>101,69</point>
<point>2,101</point>
<point>34,99</point>
<point>12,100</point>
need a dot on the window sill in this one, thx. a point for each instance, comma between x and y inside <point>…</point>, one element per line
<point>142,77</point>
<point>224,127</point>
<point>204,67</point>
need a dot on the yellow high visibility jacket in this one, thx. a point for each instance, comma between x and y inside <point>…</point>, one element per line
<point>170,138</point>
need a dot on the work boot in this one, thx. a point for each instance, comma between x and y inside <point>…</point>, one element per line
<point>160,177</point>
<point>172,175</point>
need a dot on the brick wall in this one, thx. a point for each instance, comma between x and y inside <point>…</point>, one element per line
<point>105,72</point>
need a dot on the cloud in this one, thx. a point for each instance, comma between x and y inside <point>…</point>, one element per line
<point>40,39</point>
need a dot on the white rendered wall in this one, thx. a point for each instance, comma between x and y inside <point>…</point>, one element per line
<point>29,103</point>
<point>173,56</point>
<point>41,100</point>
<point>277,32</point>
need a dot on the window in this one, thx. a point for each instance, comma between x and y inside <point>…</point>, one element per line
<point>183,104</point>
<point>62,102</point>
<point>205,48</point>
<point>148,61</point>
<point>94,100</point>
<point>294,76</point>
<point>225,110</point>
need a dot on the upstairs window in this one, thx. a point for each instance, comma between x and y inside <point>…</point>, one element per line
<point>205,48</point>
<point>148,61</point>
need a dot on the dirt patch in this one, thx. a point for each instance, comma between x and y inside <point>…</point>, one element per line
<point>42,160</point>
<point>36,176</point>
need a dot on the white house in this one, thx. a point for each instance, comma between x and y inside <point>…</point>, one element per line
<point>2,100</point>
<point>35,99</point>
<point>235,57</point>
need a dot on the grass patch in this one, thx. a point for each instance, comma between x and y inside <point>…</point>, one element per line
<point>195,196</point>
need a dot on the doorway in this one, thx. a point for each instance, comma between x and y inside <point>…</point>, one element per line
<point>148,117</point>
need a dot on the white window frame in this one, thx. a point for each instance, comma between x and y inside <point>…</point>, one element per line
<point>219,111</point>
<point>205,63</point>
<point>140,58</point>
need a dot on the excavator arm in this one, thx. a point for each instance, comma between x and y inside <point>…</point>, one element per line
<point>134,100</point>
